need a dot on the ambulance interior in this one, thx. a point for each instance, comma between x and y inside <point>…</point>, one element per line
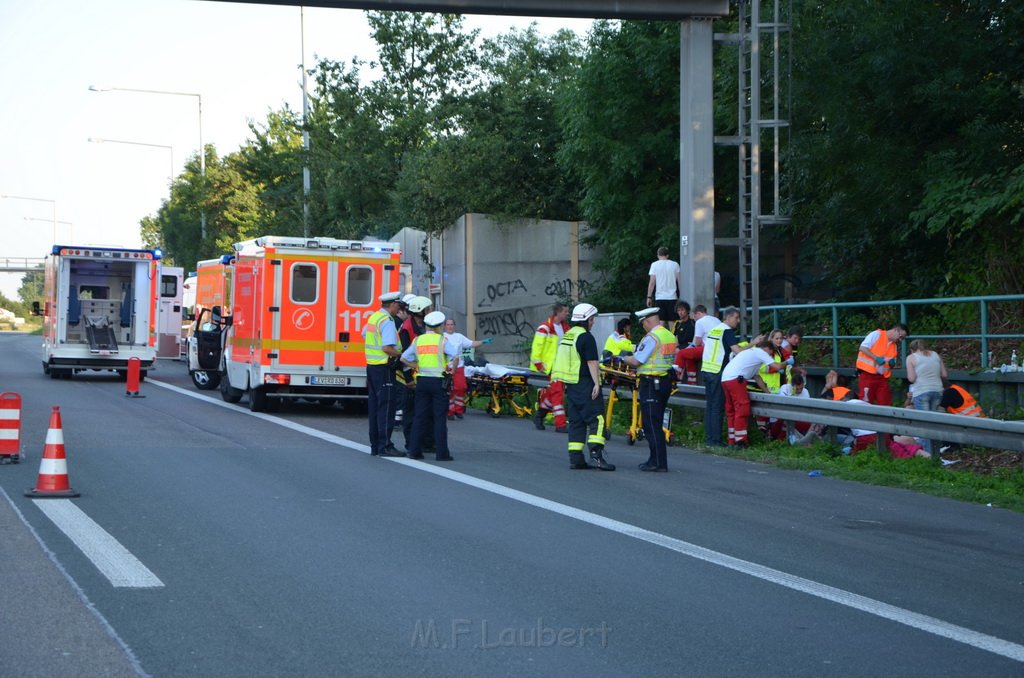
<point>101,310</point>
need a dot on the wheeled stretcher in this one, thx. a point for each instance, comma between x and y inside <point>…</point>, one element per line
<point>617,375</point>
<point>506,389</point>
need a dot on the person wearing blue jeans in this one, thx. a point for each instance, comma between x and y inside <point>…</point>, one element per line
<point>926,373</point>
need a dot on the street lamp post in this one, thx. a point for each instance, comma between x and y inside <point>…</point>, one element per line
<point>202,150</point>
<point>53,206</point>
<point>98,140</point>
<point>71,233</point>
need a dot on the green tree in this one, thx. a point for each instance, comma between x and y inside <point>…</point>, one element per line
<point>908,148</point>
<point>620,122</point>
<point>502,159</point>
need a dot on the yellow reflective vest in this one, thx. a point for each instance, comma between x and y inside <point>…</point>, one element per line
<point>567,361</point>
<point>374,348</point>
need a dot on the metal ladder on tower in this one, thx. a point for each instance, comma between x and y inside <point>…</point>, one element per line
<point>762,70</point>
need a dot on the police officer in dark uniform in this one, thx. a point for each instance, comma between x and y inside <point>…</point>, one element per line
<point>575,366</point>
<point>380,340</point>
<point>433,356</point>
<point>653,360</point>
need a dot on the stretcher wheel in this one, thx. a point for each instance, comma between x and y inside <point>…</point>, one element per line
<point>629,438</point>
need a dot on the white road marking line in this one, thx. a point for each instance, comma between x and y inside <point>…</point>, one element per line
<point>113,560</point>
<point>855,601</point>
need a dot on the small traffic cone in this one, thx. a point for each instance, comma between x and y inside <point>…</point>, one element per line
<point>53,467</point>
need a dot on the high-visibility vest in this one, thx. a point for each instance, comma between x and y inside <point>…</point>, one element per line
<point>970,407</point>
<point>616,344</point>
<point>773,380</point>
<point>660,361</point>
<point>714,355</point>
<point>430,361</point>
<point>566,366</point>
<point>545,344</point>
<point>839,392</point>
<point>374,348</point>
<point>882,347</point>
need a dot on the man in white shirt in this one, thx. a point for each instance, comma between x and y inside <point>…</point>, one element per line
<point>704,323</point>
<point>742,367</point>
<point>664,285</point>
<point>462,344</point>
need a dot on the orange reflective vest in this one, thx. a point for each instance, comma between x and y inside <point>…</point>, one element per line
<point>839,392</point>
<point>882,347</point>
<point>970,407</point>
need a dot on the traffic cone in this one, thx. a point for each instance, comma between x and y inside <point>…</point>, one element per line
<point>53,467</point>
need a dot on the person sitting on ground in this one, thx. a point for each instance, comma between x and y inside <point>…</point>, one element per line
<point>861,439</point>
<point>780,429</point>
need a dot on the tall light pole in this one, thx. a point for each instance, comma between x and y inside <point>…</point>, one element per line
<point>53,206</point>
<point>71,233</point>
<point>305,129</point>
<point>98,140</point>
<point>202,150</point>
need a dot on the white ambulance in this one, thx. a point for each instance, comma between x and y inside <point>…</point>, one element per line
<point>99,309</point>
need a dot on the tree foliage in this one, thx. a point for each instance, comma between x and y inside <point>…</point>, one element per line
<point>906,165</point>
<point>907,156</point>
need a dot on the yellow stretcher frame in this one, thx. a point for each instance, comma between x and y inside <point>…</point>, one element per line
<point>501,393</point>
<point>616,374</point>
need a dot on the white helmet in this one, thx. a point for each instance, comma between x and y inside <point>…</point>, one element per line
<point>407,298</point>
<point>419,304</point>
<point>583,312</point>
<point>434,319</point>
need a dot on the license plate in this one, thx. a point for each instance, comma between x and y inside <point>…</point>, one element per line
<point>330,381</point>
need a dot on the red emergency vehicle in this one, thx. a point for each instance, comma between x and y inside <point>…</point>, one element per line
<point>297,308</point>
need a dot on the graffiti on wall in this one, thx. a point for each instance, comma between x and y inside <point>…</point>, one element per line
<point>504,324</point>
<point>500,290</point>
<point>569,289</point>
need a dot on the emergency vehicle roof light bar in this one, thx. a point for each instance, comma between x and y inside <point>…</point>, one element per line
<point>92,250</point>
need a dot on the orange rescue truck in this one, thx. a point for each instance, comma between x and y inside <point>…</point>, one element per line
<point>297,308</point>
<point>211,285</point>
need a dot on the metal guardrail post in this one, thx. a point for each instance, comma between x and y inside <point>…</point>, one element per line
<point>835,336</point>
<point>984,334</point>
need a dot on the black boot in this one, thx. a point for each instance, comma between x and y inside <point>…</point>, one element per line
<point>538,419</point>
<point>597,456</point>
<point>578,463</point>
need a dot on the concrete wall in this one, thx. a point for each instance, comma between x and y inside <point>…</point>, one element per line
<point>499,280</point>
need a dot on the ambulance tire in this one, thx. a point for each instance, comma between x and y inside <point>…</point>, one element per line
<point>258,399</point>
<point>205,381</point>
<point>229,394</point>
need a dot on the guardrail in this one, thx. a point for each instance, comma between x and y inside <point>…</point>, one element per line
<point>20,264</point>
<point>996,433</point>
<point>984,335</point>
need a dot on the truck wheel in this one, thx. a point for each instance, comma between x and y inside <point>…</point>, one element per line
<point>46,368</point>
<point>205,381</point>
<point>258,399</point>
<point>227,392</point>
<point>53,372</point>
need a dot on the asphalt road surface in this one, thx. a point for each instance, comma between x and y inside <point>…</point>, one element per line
<point>209,541</point>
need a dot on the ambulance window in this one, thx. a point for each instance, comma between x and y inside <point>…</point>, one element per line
<point>168,286</point>
<point>359,290</point>
<point>93,292</point>
<point>304,287</point>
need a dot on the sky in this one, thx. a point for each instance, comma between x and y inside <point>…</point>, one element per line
<point>242,59</point>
